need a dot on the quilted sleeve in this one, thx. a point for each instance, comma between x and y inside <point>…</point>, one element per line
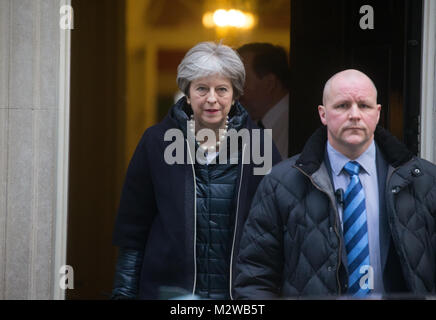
<point>127,272</point>
<point>260,260</point>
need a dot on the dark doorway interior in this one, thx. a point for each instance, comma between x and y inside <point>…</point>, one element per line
<point>326,37</point>
<point>96,143</point>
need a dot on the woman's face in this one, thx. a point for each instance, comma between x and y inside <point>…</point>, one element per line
<point>211,99</point>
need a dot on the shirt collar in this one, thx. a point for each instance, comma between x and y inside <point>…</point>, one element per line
<point>338,160</point>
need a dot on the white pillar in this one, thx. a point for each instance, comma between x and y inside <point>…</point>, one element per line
<point>33,111</point>
<point>428,98</point>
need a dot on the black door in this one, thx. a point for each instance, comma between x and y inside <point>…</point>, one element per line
<point>327,37</point>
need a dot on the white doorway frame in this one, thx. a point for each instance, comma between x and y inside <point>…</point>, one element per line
<point>428,81</point>
<point>61,222</point>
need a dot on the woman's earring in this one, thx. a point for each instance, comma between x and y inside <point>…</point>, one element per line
<point>187,100</point>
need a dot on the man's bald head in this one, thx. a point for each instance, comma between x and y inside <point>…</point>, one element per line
<point>348,75</point>
<point>350,112</point>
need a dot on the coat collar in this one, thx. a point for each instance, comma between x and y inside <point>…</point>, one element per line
<point>310,159</point>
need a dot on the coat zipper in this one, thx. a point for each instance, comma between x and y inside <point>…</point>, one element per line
<point>236,222</point>
<point>335,227</point>
<point>195,221</point>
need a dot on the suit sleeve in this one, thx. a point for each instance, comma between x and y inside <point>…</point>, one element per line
<point>276,157</point>
<point>260,260</point>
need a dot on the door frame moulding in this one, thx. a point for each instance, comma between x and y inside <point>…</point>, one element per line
<point>428,80</point>
<point>61,219</point>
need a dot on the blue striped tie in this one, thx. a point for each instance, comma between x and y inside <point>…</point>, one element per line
<point>355,230</point>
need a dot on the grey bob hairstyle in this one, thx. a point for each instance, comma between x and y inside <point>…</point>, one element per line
<point>208,58</point>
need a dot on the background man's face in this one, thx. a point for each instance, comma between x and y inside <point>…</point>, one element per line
<point>351,113</point>
<point>255,91</point>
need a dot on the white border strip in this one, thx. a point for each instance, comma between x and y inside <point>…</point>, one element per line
<point>428,100</point>
<point>62,158</point>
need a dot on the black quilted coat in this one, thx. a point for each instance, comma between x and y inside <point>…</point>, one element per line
<point>216,189</point>
<point>292,244</point>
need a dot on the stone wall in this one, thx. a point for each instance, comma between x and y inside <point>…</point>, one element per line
<point>29,108</point>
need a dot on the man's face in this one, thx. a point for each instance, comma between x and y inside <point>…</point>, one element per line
<point>255,90</point>
<point>351,113</point>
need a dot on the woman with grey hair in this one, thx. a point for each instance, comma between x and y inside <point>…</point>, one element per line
<point>179,222</point>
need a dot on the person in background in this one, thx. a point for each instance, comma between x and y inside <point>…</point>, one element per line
<point>354,214</point>
<point>266,91</point>
<point>179,224</point>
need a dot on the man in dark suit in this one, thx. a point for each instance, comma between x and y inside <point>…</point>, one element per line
<point>354,214</point>
<point>266,90</point>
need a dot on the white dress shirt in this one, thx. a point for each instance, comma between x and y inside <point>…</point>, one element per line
<point>368,178</point>
<point>277,119</point>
